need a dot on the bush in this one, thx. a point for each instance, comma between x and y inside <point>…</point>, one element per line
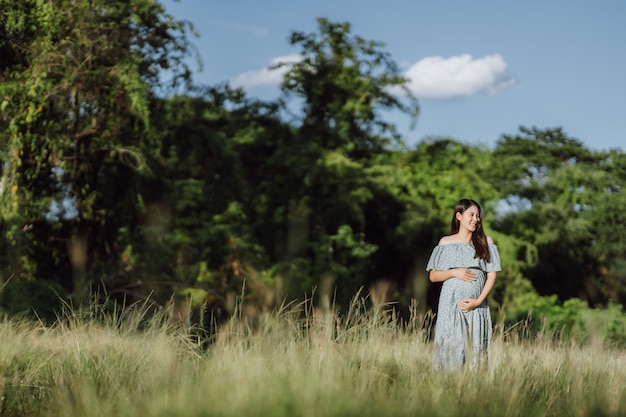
<point>572,319</point>
<point>34,299</point>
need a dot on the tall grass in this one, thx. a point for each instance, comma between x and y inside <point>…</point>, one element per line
<point>295,362</point>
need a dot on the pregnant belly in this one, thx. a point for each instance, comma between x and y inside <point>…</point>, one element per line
<point>460,290</point>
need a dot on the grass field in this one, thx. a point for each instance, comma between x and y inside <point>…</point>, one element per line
<point>292,363</point>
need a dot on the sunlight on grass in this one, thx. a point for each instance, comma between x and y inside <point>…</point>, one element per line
<point>296,362</point>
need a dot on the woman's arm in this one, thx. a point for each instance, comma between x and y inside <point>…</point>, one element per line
<point>489,284</point>
<point>461,273</point>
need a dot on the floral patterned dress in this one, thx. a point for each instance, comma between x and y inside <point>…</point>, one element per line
<point>461,336</point>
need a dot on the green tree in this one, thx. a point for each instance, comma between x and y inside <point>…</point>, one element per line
<point>603,208</point>
<point>208,199</point>
<point>343,83</point>
<point>560,185</point>
<point>75,82</point>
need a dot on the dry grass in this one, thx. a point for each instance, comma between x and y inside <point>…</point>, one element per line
<point>292,363</point>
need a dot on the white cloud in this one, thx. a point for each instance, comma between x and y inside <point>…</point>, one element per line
<point>431,77</point>
<point>457,76</point>
<point>266,76</point>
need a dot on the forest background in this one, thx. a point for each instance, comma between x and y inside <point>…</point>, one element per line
<point>119,188</point>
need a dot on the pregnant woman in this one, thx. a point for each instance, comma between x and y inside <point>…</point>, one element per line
<point>466,261</point>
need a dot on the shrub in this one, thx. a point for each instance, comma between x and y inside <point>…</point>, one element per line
<point>572,319</point>
<point>34,299</point>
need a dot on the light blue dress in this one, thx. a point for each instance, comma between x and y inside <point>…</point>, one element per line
<point>459,336</point>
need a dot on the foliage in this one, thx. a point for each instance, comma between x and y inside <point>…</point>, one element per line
<point>75,83</point>
<point>203,199</point>
<point>107,187</point>
<point>345,82</point>
<point>33,299</point>
<point>559,188</point>
<point>570,320</point>
<point>604,210</point>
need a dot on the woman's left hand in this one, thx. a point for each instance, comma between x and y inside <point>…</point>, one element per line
<point>468,304</point>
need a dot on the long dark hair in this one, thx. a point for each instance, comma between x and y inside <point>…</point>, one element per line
<point>479,239</point>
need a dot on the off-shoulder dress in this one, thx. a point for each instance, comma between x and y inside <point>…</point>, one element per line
<point>459,336</point>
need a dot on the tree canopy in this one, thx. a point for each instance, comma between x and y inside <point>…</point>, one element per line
<point>109,185</point>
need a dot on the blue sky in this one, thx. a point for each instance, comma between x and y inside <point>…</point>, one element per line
<point>480,69</point>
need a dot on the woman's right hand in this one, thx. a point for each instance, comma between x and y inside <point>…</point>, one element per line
<point>464,274</point>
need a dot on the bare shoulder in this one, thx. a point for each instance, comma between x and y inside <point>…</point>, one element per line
<point>489,240</point>
<point>445,240</point>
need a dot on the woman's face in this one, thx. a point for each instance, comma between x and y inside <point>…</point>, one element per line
<point>469,219</point>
